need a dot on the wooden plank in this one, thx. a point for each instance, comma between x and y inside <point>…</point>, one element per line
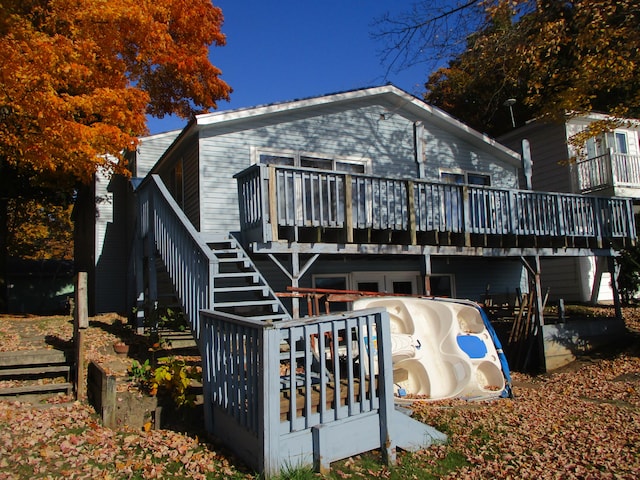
<point>34,370</point>
<point>348,209</point>
<point>32,357</point>
<point>40,388</point>
<point>272,201</point>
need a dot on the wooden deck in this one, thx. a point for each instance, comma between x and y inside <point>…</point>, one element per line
<point>314,206</point>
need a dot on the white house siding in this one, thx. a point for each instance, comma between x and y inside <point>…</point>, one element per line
<point>332,131</point>
<point>111,244</point>
<point>149,151</point>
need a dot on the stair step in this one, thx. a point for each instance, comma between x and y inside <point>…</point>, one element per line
<point>274,317</point>
<point>46,387</point>
<point>32,357</point>
<point>253,275</point>
<point>35,370</point>
<point>253,288</point>
<point>256,303</point>
<point>244,260</point>
<point>227,251</point>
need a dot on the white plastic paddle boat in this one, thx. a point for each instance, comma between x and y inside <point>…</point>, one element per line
<point>442,348</point>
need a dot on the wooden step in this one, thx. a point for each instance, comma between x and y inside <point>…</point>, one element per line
<point>37,388</point>
<point>32,357</point>
<point>30,366</point>
<point>251,288</point>
<point>257,303</point>
<point>35,370</point>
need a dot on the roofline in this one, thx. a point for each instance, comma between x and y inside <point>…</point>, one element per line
<point>390,92</point>
<point>393,94</point>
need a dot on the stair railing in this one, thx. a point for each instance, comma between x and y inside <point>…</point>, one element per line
<point>189,261</point>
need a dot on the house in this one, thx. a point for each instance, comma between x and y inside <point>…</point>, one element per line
<point>369,190</point>
<point>609,166</point>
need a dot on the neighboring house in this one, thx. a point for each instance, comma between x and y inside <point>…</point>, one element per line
<point>609,166</point>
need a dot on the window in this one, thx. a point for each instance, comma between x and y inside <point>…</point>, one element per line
<point>620,143</point>
<point>310,160</point>
<point>469,178</point>
<point>476,179</point>
<point>454,178</point>
<point>441,285</point>
<point>617,141</point>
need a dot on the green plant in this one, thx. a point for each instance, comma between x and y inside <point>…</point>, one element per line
<point>172,376</point>
<point>140,372</point>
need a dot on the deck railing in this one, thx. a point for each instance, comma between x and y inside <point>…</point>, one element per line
<point>608,170</point>
<point>275,197</point>
<point>273,389</point>
<point>189,261</point>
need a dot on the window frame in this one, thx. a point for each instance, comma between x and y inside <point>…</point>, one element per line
<point>299,156</point>
<point>464,175</point>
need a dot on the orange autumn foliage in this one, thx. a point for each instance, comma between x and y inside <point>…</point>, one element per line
<point>78,78</point>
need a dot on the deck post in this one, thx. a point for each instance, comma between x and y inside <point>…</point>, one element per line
<point>426,264</point>
<point>138,267</point>
<point>597,280</point>
<point>151,265</point>
<point>539,317</point>
<point>348,209</point>
<point>411,207</point>
<point>273,203</point>
<point>466,213</point>
<point>270,415</point>
<point>387,446</point>
<point>614,270</point>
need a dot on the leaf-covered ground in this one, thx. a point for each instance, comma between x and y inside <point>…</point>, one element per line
<point>582,422</point>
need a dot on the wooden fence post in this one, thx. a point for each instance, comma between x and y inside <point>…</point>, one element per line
<point>80,324</point>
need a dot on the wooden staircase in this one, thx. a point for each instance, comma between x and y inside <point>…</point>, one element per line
<point>239,288</point>
<point>35,372</point>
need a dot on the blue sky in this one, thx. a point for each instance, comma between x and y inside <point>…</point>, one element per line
<point>282,50</point>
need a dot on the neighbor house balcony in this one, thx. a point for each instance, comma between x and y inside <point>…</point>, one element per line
<point>321,207</point>
<point>615,174</point>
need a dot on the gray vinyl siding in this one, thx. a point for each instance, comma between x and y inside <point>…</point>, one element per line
<point>188,154</point>
<point>563,278</point>
<point>331,131</point>
<point>548,145</point>
<point>191,179</point>
<point>149,151</point>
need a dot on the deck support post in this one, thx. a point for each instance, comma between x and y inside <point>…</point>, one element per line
<point>614,270</point>
<point>534,272</point>
<point>597,280</point>
<point>426,266</point>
